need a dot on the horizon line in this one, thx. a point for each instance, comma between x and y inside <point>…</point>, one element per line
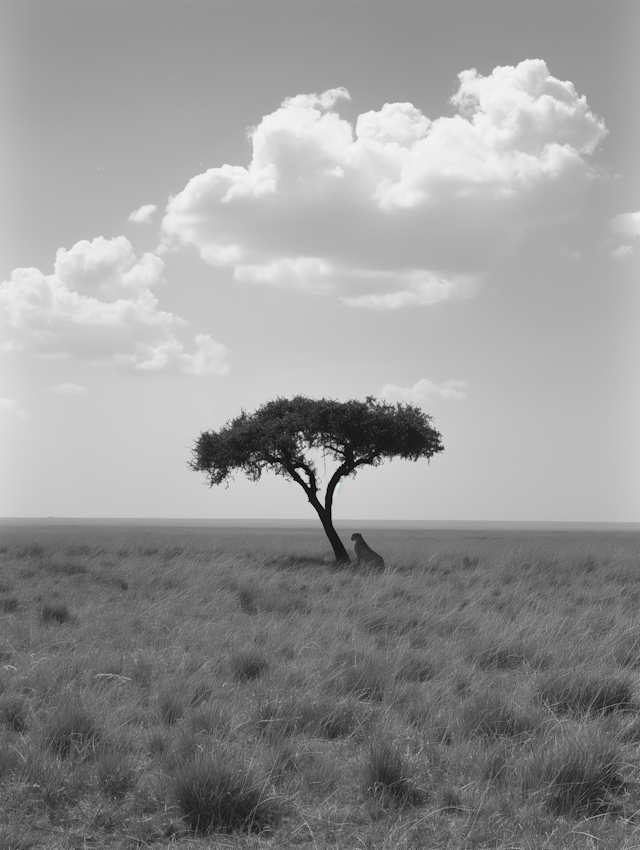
<point>284,521</point>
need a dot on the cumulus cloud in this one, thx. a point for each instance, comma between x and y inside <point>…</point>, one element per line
<point>69,388</point>
<point>143,215</point>
<point>400,209</point>
<point>424,391</point>
<point>418,288</point>
<point>210,357</point>
<point>622,252</point>
<point>627,223</point>
<point>10,410</point>
<point>98,306</point>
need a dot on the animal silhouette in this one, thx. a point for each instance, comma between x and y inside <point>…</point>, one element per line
<point>365,553</point>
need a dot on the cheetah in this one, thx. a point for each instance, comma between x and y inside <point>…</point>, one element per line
<point>365,554</point>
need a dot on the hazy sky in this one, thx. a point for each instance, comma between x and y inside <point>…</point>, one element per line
<point>210,203</point>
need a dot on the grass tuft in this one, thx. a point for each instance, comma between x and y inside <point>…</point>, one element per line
<point>55,612</point>
<point>578,776</point>
<point>115,774</point>
<point>11,761</point>
<point>71,728</point>
<point>295,561</point>
<point>209,719</point>
<point>247,600</point>
<point>285,763</point>
<point>416,668</point>
<point>14,712</point>
<point>157,743</point>
<point>577,692</point>
<point>489,714</point>
<point>493,654</point>
<point>141,671</point>
<point>58,784</point>
<point>30,550</point>
<point>214,794</point>
<point>330,719</point>
<point>80,549</point>
<point>248,664</point>
<point>387,776</point>
<point>361,674</point>
<point>201,692</point>
<point>65,568</point>
<point>283,599</point>
<point>324,718</point>
<point>627,650</point>
<point>9,604</point>
<point>278,718</point>
<point>171,703</point>
<point>148,551</point>
<point>495,764</point>
<point>451,801</point>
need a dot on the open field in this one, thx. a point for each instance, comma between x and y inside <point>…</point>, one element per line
<point>156,683</point>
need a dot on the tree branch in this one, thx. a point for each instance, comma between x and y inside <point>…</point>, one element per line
<point>341,472</point>
<point>313,483</point>
<point>310,488</point>
<point>336,450</point>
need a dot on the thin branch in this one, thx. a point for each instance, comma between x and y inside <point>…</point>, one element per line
<point>310,490</point>
<point>336,450</point>
<point>313,483</point>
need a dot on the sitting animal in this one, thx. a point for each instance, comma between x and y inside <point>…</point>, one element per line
<point>365,554</point>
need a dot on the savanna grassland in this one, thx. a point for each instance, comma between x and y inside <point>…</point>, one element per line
<point>232,688</point>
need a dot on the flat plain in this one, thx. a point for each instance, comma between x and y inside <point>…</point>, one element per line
<point>230,687</point>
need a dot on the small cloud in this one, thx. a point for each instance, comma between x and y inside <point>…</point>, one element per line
<point>424,391</point>
<point>68,389</point>
<point>417,288</point>
<point>10,410</point>
<point>10,346</point>
<point>210,358</point>
<point>143,215</point>
<point>622,252</point>
<point>627,223</point>
<point>99,306</point>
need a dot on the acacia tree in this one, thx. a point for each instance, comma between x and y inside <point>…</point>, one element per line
<point>283,435</point>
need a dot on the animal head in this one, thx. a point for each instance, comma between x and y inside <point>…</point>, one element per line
<point>356,536</point>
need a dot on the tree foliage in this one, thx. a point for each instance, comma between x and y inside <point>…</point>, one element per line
<point>284,435</point>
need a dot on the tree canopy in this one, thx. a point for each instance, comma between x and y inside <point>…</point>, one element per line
<point>282,436</point>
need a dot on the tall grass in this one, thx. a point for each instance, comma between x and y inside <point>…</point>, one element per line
<point>578,774</point>
<point>166,686</point>
<point>215,793</point>
<point>71,728</point>
<point>387,775</point>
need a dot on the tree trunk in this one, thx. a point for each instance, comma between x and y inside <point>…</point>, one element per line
<point>342,556</point>
<point>323,511</point>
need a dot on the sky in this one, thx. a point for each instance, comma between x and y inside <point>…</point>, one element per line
<point>208,204</point>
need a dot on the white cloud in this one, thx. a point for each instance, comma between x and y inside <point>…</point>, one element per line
<point>10,410</point>
<point>622,252</point>
<point>69,388</point>
<point>627,223</point>
<point>420,288</point>
<point>210,358</point>
<point>98,306</point>
<point>424,391</point>
<point>400,209</point>
<point>143,215</point>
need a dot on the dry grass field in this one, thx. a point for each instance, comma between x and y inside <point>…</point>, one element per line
<point>198,688</point>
